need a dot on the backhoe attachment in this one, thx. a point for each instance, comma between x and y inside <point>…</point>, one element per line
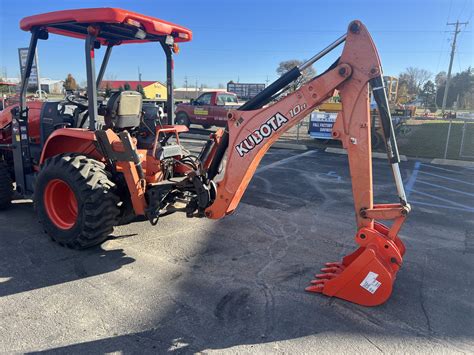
<point>365,276</point>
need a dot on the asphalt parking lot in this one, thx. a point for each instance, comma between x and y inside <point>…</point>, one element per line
<point>236,285</point>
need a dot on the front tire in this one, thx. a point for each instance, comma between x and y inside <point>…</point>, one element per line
<point>76,201</point>
<point>182,119</point>
<point>6,186</point>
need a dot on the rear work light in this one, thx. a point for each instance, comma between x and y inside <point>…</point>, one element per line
<point>183,35</point>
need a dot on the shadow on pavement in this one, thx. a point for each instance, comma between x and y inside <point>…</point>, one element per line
<point>245,284</point>
<point>34,261</point>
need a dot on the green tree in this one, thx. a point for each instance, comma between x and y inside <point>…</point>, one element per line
<point>287,65</point>
<point>127,86</point>
<point>120,88</point>
<point>70,83</point>
<point>108,90</point>
<point>428,95</point>
<point>141,91</point>
<point>461,90</point>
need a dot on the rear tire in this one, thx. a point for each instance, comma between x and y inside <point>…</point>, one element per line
<point>6,186</point>
<point>182,119</point>
<point>76,201</point>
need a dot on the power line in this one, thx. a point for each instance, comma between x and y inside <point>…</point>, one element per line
<point>290,31</point>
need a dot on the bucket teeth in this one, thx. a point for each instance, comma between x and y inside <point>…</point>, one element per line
<point>327,275</point>
<point>332,269</point>
<point>365,276</point>
<point>334,264</point>
<point>315,288</point>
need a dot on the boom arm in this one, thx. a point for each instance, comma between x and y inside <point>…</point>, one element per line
<point>251,133</point>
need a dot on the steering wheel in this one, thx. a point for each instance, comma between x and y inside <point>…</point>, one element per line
<point>78,100</point>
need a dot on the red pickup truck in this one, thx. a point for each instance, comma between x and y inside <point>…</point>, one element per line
<point>209,109</point>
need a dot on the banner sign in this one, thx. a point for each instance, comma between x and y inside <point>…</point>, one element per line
<point>320,125</point>
<point>22,54</point>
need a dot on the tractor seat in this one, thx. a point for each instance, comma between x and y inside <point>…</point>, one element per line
<point>123,110</point>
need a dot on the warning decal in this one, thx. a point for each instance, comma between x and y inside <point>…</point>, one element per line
<point>370,282</point>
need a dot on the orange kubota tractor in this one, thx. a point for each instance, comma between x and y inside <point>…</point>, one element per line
<point>89,164</point>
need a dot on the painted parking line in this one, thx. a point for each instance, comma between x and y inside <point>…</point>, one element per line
<point>446,188</point>
<point>446,203</point>
<point>467,208</point>
<point>418,203</point>
<point>447,178</point>
<point>411,182</point>
<point>443,169</point>
<point>285,161</point>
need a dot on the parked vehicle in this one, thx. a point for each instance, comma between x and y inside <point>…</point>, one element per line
<point>209,109</point>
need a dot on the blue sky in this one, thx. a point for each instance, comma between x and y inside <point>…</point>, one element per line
<point>245,40</point>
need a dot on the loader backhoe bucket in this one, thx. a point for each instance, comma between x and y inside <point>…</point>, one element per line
<point>367,275</point>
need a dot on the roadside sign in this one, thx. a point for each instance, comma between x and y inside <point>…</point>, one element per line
<point>321,123</point>
<point>34,75</point>
<point>245,91</point>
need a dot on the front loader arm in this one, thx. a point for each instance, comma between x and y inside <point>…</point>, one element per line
<point>367,275</point>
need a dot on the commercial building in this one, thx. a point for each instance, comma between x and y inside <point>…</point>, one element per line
<point>152,89</point>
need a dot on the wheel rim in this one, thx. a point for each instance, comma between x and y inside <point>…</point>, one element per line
<point>61,204</point>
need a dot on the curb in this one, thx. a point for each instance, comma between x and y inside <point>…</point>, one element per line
<point>374,154</point>
<point>461,163</point>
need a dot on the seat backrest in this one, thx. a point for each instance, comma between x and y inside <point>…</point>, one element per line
<point>124,110</point>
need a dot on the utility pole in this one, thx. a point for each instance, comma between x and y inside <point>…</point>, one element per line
<point>448,79</point>
<point>453,49</point>
<point>139,75</point>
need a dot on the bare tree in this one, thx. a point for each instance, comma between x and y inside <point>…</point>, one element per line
<point>111,76</point>
<point>414,79</point>
<point>287,65</point>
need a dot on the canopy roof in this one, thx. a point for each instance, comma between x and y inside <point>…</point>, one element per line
<point>116,25</point>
